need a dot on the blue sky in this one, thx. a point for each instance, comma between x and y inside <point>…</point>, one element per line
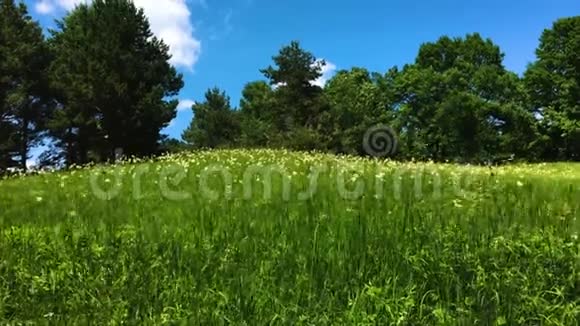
<point>224,43</point>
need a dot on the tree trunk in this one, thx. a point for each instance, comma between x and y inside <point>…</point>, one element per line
<point>24,144</point>
<point>69,148</point>
<point>83,147</point>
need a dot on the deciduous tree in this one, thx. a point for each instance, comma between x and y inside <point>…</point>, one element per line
<point>553,86</point>
<point>458,102</point>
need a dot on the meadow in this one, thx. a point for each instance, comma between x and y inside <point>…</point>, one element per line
<point>255,237</point>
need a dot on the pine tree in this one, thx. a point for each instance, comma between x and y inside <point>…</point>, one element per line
<point>114,80</point>
<point>24,92</point>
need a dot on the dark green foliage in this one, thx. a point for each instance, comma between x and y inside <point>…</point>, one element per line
<point>215,124</point>
<point>553,85</point>
<point>24,93</point>
<point>257,115</point>
<point>113,78</point>
<point>298,103</point>
<point>458,102</point>
<point>288,112</point>
<point>358,101</point>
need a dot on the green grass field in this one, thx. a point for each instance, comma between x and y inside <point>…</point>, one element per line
<point>275,237</point>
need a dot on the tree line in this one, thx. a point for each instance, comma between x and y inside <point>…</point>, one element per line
<point>101,81</point>
<point>456,102</point>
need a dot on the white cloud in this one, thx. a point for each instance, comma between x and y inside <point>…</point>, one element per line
<point>328,70</point>
<point>169,19</point>
<point>44,7</point>
<point>185,105</point>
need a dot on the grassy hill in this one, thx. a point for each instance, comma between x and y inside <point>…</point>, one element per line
<point>256,237</point>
